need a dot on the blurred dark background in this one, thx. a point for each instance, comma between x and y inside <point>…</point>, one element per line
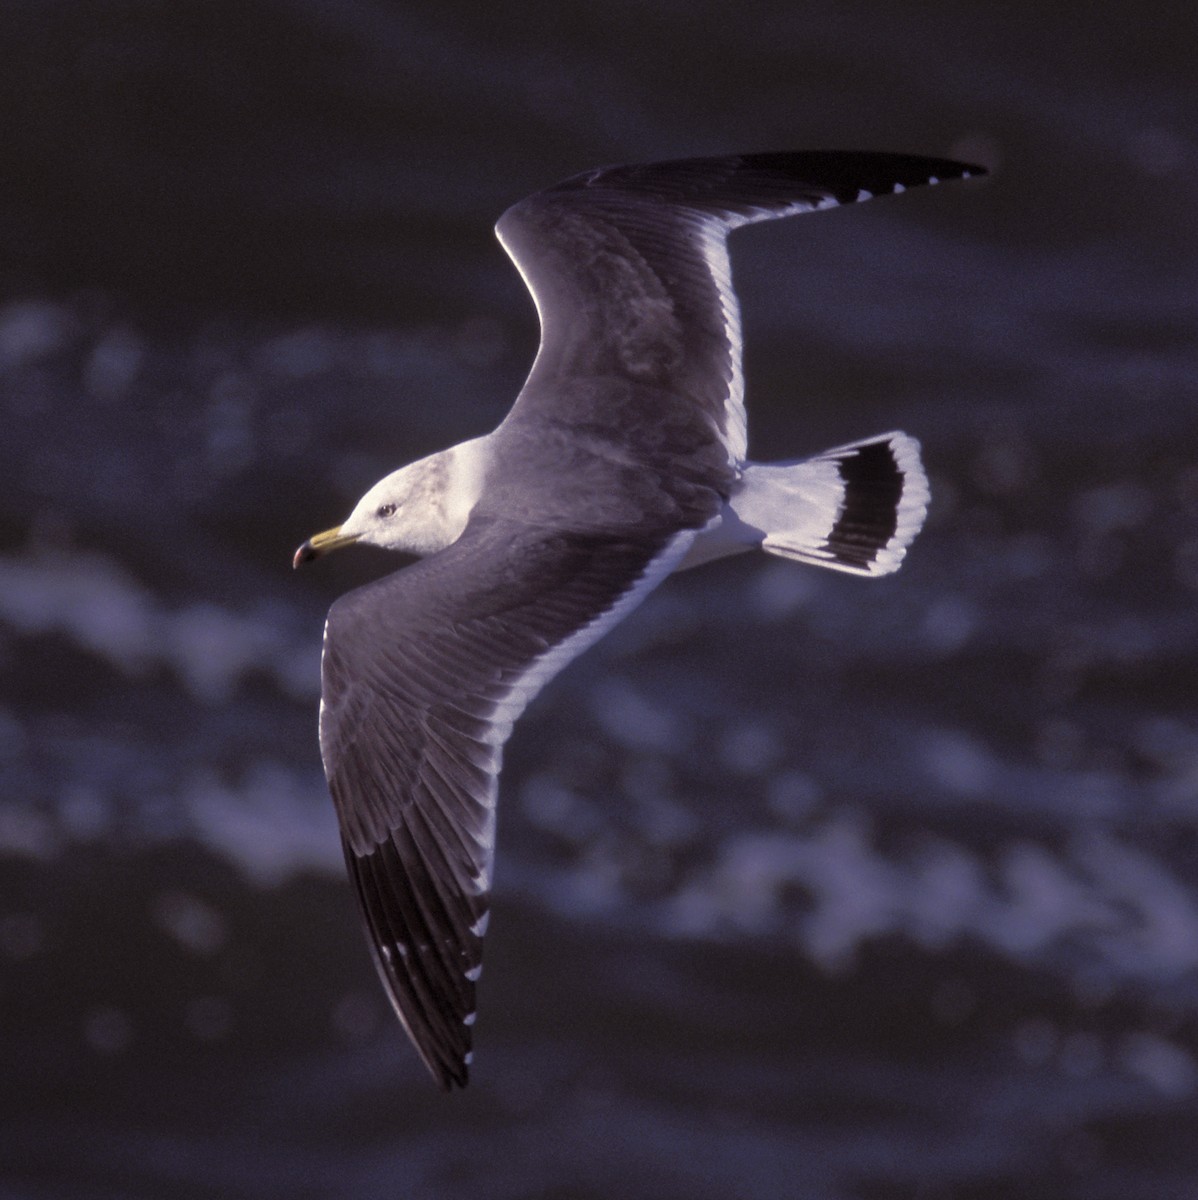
<point>807,885</point>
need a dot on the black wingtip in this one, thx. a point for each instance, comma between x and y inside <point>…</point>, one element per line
<point>447,1081</point>
<point>417,951</point>
<point>852,175</point>
<point>450,1075</point>
<point>758,186</point>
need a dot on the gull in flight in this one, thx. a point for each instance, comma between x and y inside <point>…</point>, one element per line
<point>623,459</point>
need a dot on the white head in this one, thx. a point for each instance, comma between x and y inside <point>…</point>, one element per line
<point>419,509</point>
<point>404,510</point>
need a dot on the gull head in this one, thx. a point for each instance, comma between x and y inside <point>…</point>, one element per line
<point>412,509</point>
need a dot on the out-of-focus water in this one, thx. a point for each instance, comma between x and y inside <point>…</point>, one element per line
<point>806,885</point>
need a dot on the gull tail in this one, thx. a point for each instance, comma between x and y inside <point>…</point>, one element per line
<point>855,508</point>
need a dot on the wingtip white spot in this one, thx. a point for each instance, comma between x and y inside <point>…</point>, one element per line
<point>899,189</point>
<point>474,973</point>
<point>470,1018</point>
<point>863,194</point>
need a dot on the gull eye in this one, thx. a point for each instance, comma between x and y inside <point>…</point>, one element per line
<point>386,510</point>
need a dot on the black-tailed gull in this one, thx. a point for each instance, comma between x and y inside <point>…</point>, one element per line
<point>623,459</point>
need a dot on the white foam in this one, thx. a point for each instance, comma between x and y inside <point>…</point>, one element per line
<point>90,599</point>
<point>634,721</point>
<point>1110,902</point>
<point>276,824</point>
<point>1168,1067</point>
<point>31,330</point>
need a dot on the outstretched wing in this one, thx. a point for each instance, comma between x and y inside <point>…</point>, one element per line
<point>628,267</point>
<point>424,674</point>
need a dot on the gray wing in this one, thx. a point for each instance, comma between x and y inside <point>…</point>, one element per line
<point>424,673</point>
<point>629,271</point>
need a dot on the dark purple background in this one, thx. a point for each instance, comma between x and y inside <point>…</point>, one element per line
<point>807,885</point>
